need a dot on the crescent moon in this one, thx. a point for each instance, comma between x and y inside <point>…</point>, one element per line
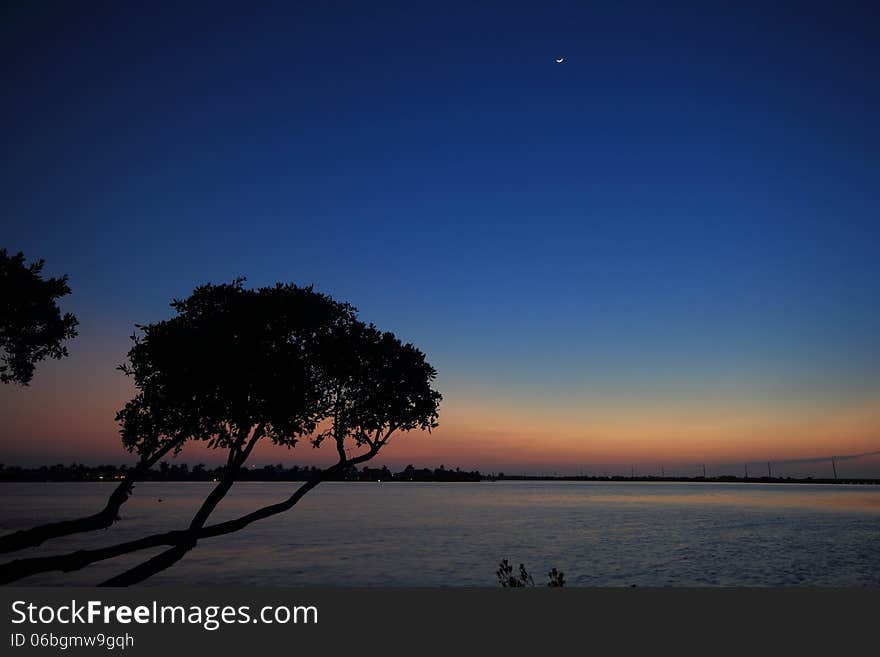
<point>560,60</point>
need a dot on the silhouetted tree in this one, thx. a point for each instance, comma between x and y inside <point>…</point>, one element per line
<point>366,382</point>
<point>31,325</point>
<point>237,366</point>
<point>233,366</point>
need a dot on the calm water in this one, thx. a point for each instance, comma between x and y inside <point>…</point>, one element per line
<point>408,534</point>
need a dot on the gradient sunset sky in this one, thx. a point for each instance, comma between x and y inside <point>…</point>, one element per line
<point>662,251</point>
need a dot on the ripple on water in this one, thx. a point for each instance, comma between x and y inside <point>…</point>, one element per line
<point>411,534</point>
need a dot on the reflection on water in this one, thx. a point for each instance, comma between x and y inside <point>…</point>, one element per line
<point>445,534</point>
<point>778,496</point>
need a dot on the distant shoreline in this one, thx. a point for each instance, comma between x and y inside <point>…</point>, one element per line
<point>181,473</point>
<point>708,480</point>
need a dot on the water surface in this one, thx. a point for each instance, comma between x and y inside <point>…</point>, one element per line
<point>454,534</point>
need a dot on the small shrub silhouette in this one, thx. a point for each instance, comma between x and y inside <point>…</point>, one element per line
<point>508,579</point>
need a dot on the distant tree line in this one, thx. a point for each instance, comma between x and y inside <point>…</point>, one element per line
<point>182,472</point>
<point>278,472</point>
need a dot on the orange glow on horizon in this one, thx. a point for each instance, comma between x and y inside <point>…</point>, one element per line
<point>47,424</point>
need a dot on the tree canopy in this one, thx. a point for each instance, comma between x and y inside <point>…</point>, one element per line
<point>284,360</point>
<point>231,359</point>
<point>32,327</point>
<point>377,386</point>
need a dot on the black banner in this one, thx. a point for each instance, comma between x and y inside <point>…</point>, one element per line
<point>227,621</point>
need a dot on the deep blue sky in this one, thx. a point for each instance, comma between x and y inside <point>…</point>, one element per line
<point>687,206</point>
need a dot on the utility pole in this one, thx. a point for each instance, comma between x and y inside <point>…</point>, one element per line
<point>704,471</point>
<point>662,473</point>
<point>769,471</point>
<point>834,466</point>
<point>747,470</point>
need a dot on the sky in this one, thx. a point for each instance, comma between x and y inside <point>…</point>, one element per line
<point>661,252</point>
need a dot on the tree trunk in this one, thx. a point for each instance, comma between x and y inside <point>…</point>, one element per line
<point>13,571</point>
<point>190,537</point>
<point>20,568</point>
<point>171,556</point>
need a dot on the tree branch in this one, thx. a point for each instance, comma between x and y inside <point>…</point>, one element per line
<point>35,536</point>
<point>168,558</point>
<point>381,443</point>
<point>20,568</point>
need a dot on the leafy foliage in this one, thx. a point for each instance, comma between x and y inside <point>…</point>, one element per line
<point>32,327</point>
<point>377,385</point>
<point>286,359</point>
<point>230,359</point>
